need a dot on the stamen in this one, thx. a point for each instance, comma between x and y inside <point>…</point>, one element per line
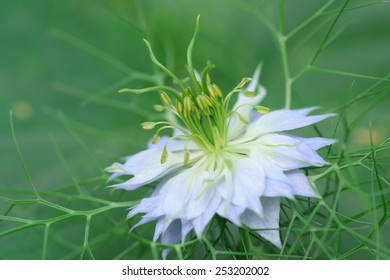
<point>158,108</point>
<point>165,98</point>
<point>148,125</point>
<point>186,157</point>
<point>164,155</point>
<point>155,139</point>
<point>249,93</point>
<point>262,110</point>
<point>217,90</point>
<point>179,107</point>
<point>243,82</point>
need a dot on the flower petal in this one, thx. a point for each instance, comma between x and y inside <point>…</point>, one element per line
<point>231,212</point>
<point>316,143</point>
<point>146,168</point>
<point>289,152</point>
<point>278,188</point>
<point>172,235</point>
<point>200,223</point>
<point>148,205</point>
<point>187,194</point>
<point>301,185</point>
<point>281,120</point>
<point>267,226</point>
<point>244,185</point>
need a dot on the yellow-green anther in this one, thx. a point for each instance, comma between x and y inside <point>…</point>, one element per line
<point>189,91</point>
<point>217,90</point>
<point>197,113</point>
<point>208,79</point>
<point>158,108</point>
<point>187,106</point>
<point>200,85</point>
<point>164,155</point>
<point>249,93</point>
<point>210,89</point>
<point>243,82</point>
<point>263,110</point>
<point>148,125</point>
<point>199,100</point>
<point>155,139</point>
<point>207,100</point>
<point>179,107</point>
<point>204,103</point>
<point>165,98</point>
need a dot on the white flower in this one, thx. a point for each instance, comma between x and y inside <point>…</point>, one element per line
<point>236,163</point>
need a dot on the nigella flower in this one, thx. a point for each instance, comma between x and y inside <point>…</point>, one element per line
<point>233,162</point>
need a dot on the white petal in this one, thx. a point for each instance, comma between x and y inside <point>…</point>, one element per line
<point>198,76</point>
<point>244,185</point>
<point>270,221</point>
<point>281,120</point>
<point>276,182</point>
<point>180,145</point>
<point>163,227</point>
<point>231,212</point>
<point>287,152</point>
<point>200,223</point>
<point>159,228</point>
<point>172,235</point>
<point>150,206</point>
<point>187,194</point>
<point>317,142</point>
<point>146,168</point>
<point>278,188</point>
<point>301,184</point>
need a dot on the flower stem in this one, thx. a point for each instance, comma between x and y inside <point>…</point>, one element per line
<point>286,70</point>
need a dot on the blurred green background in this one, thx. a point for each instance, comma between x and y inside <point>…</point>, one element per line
<point>62,62</point>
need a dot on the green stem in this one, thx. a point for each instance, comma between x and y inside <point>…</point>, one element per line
<point>286,70</point>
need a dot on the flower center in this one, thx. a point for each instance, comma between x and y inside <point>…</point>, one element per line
<point>201,111</point>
